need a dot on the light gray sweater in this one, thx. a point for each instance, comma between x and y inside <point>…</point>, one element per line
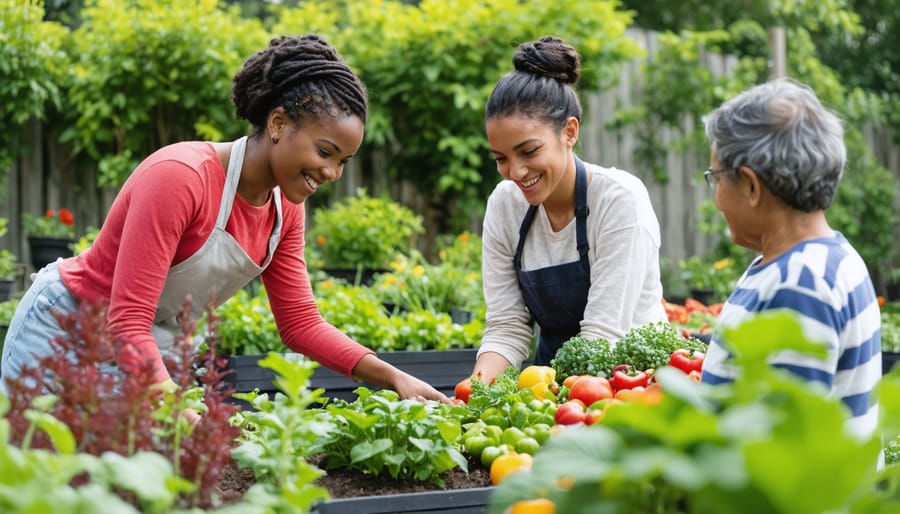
<point>624,239</point>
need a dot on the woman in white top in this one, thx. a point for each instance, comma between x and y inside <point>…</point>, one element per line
<point>568,245</point>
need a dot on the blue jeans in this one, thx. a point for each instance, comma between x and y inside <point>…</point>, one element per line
<point>33,325</point>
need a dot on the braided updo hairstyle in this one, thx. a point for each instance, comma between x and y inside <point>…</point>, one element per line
<point>302,74</point>
<point>542,86</point>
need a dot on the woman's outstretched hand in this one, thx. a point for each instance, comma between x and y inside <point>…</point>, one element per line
<point>373,370</point>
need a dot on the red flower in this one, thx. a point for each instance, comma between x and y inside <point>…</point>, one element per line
<point>49,214</point>
<point>66,216</point>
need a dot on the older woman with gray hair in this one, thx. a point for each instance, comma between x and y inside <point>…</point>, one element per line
<point>776,158</point>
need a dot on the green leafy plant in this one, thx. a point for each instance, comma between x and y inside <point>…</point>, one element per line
<point>583,356</point>
<point>363,232</point>
<point>379,434</point>
<point>246,325</point>
<point>358,311</point>
<point>280,433</point>
<point>54,223</point>
<point>677,88</point>
<point>423,329</point>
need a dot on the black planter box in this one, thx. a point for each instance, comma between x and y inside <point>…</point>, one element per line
<point>45,250</point>
<point>455,501</point>
<point>888,359</point>
<point>443,369</point>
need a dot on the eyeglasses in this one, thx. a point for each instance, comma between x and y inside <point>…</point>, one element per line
<point>708,175</point>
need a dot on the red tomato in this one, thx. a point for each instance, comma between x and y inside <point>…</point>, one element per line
<point>589,389</point>
<point>463,390</point>
<point>570,413</point>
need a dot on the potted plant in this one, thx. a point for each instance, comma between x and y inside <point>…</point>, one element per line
<point>360,235</point>
<point>708,281</point>
<point>50,236</point>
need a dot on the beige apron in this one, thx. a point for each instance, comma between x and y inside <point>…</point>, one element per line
<point>218,269</point>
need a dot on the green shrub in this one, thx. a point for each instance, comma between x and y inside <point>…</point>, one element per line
<point>147,73</point>
<point>362,232</point>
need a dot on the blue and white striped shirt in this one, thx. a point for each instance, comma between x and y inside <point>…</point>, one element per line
<point>826,283</point>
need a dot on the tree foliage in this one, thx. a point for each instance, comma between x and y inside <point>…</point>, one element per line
<point>30,63</point>
<point>148,73</point>
<point>430,68</point>
<point>867,190</point>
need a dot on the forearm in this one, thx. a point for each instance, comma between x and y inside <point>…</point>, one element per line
<point>489,365</point>
<point>372,370</point>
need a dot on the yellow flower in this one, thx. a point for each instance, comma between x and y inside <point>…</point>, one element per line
<point>722,264</point>
<point>320,240</point>
<point>442,254</point>
<point>327,284</point>
<point>390,280</point>
<point>396,266</point>
<point>418,271</point>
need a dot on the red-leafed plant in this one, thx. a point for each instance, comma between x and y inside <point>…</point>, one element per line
<point>123,412</point>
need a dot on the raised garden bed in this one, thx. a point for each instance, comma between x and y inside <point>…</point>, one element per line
<point>442,369</point>
<point>454,501</point>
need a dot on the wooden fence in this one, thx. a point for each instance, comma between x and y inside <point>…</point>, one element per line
<point>43,178</point>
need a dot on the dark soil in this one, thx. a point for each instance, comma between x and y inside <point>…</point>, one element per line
<point>235,482</point>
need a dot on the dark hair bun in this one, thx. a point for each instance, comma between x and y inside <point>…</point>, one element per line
<point>551,57</point>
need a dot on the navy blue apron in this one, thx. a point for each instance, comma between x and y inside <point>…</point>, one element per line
<point>557,295</point>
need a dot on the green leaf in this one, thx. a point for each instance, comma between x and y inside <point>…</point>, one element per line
<point>59,432</point>
<point>368,449</point>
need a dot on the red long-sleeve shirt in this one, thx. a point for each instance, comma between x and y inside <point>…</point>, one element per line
<point>162,215</point>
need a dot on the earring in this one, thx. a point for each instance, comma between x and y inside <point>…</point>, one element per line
<point>274,138</point>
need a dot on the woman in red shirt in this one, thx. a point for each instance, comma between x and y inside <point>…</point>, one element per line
<point>204,218</point>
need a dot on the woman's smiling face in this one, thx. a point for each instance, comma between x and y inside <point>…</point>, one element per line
<point>314,153</point>
<point>531,153</point>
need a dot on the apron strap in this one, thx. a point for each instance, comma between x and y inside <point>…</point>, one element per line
<point>232,178</point>
<point>581,213</point>
<point>581,210</point>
